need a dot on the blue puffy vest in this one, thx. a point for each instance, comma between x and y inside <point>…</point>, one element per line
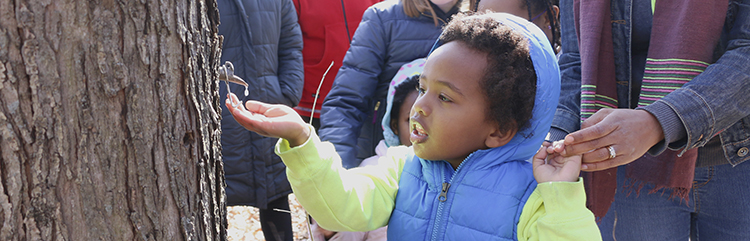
<point>483,198</point>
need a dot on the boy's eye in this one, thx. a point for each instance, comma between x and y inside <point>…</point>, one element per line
<point>443,98</point>
<point>420,90</point>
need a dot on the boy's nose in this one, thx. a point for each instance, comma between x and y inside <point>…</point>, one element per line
<point>419,107</point>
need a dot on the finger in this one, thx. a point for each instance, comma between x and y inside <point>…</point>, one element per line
<point>233,109</point>
<point>257,106</point>
<point>558,146</point>
<point>583,148</point>
<point>546,143</point>
<point>542,157</point>
<point>233,100</point>
<point>598,155</point>
<point>596,118</point>
<point>550,149</point>
<point>541,154</point>
<point>249,120</point>
<point>604,165</point>
<point>600,130</point>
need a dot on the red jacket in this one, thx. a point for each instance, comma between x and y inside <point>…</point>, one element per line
<point>324,33</point>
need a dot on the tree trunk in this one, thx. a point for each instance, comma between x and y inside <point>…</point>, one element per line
<point>109,125</point>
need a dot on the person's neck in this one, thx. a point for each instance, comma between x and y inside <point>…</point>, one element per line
<point>457,162</point>
<point>446,6</point>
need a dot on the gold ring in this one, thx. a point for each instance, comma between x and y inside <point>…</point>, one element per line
<point>612,153</point>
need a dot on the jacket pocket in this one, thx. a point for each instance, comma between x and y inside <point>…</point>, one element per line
<point>334,49</point>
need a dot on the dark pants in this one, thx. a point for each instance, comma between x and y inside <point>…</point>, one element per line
<point>277,225</point>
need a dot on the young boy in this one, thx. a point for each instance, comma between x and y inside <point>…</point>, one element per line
<point>486,100</point>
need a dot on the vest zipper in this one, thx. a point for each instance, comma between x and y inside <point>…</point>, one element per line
<point>444,193</point>
<point>443,197</point>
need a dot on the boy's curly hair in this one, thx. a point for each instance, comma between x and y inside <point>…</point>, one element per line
<point>509,81</point>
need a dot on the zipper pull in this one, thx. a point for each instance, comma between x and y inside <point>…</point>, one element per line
<point>444,193</point>
<point>375,113</point>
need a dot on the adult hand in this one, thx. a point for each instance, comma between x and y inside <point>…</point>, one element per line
<point>270,120</point>
<point>629,133</point>
<point>550,166</point>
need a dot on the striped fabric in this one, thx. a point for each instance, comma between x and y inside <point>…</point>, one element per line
<point>682,32</point>
<point>591,102</point>
<point>663,76</point>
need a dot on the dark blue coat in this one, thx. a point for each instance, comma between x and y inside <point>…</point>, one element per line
<point>385,39</point>
<point>264,42</point>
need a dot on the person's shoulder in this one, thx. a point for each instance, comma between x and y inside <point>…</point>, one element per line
<point>387,5</point>
<point>389,9</point>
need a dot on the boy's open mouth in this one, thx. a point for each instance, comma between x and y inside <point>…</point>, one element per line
<point>418,135</point>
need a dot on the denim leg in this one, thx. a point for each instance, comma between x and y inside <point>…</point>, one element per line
<point>722,198</point>
<point>645,216</point>
<point>718,209</point>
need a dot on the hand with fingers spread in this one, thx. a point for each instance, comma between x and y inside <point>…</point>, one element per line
<point>551,166</point>
<point>279,121</point>
<point>613,137</point>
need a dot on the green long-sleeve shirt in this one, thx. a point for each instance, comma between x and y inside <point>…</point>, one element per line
<point>362,199</point>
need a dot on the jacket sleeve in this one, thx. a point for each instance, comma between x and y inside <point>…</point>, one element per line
<point>358,199</point>
<point>291,70</point>
<point>567,116</point>
<point>557,211</point>
<point>716,98</point>
<point>347,104</point>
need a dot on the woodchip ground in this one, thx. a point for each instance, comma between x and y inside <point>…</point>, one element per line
<point>243,223</point>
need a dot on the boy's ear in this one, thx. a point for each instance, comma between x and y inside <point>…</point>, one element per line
<point>499,138</point>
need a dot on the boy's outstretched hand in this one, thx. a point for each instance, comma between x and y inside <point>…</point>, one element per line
<point>270,120</point>
<point>551,166</point>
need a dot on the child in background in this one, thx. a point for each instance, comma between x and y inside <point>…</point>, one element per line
<point>401,96</point>
<point>486,100</point>
<point>544,13</point>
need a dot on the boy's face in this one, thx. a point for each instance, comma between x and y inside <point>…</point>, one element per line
<point>448,120</point>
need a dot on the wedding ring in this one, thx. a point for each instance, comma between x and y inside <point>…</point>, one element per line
<point>612,153</point>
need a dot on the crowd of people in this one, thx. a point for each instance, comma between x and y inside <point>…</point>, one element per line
<point>490,119</point>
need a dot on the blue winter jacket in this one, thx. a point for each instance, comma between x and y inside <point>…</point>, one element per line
<point>434,202</point>
<point>385,39</point>
<point>264,42</point>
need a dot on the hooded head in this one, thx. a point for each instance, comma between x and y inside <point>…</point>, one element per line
<point>527,119</point>
<point>407,70</point>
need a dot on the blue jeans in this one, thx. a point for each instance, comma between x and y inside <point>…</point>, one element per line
<point>718,209</point>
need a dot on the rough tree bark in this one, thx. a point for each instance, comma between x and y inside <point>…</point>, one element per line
<point>109,126</point>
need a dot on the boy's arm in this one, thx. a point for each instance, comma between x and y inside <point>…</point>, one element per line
<point>557,211</point>
<point>359,199</point>
<point>355,200</point>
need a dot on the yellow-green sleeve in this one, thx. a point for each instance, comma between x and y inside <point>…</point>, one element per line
<point>557,211</point>
<point>358,199</point>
